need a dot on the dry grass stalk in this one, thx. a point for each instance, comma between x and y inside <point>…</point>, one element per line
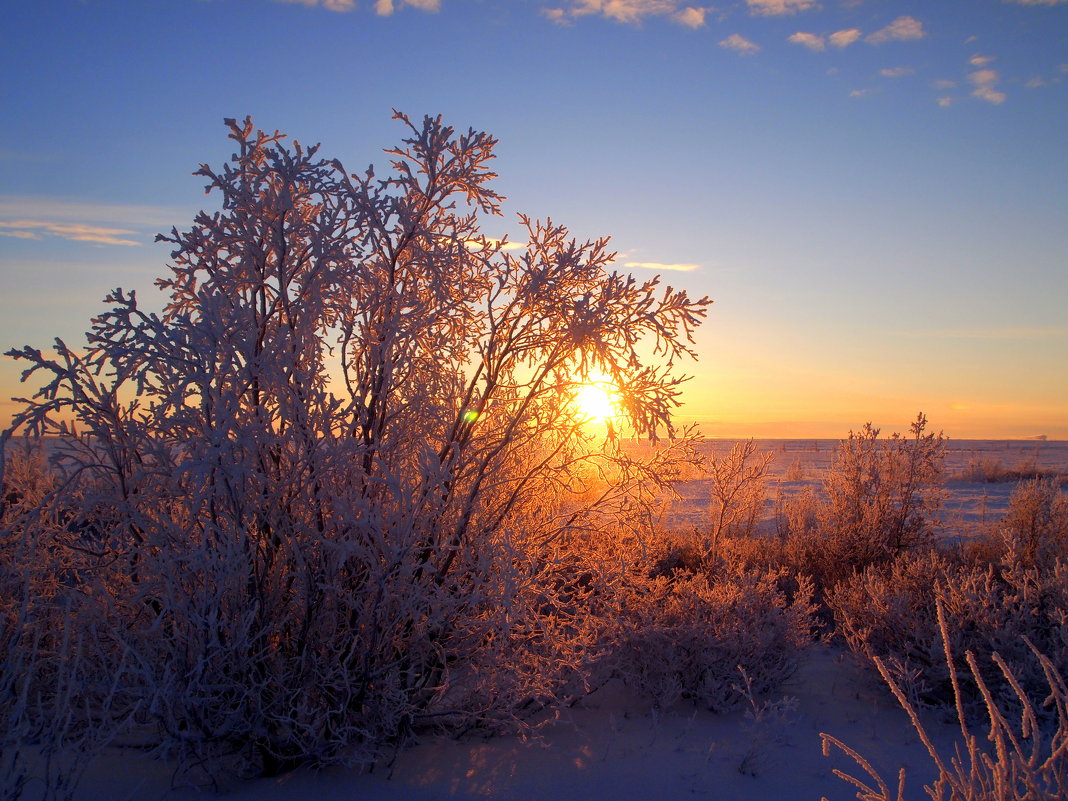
<point>1025,764</point>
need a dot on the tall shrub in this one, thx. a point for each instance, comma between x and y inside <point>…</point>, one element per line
<point>328,491</point>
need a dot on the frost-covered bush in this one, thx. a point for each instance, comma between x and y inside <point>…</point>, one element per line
<point>1034,529</point>
<point>62,681</point>
<point>879,501</point>
<point>797,516</point>
<point>685,636</point>
<point>882,493</point>
<point>889,612</point>
<point>322,498</point>
<point>737,492</point>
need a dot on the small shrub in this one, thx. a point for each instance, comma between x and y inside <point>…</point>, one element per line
<point>889,613</point>
<point>685,637</point>
<point>1035,527</point>
<point>879,499</point>
<point>993,471</point>
<point>882,493</point>
<point>737,492</point>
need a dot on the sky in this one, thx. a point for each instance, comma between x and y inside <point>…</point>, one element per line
<point>873,192</point>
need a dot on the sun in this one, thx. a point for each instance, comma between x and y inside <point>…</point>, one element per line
<point>597,401</point>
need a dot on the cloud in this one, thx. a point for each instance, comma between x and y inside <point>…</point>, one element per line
<point>845,37</point>
<point>339,6</point>
<point>896,72</point>
<point>385,8</point>
<point>945,102</point>
<point>690,16</point>
<point>626,11</point>
<point>475,245</point>
<point>812,41</point>
<point>985,83</point>
<point>862,93</point>
<point>775,8</point>
<point>979,60</point>
<point>33,217</point>
<point>1036,2</point>
<point>656,265</point>
<point>1036,82</point>
<point>944,83</point>
<point>739,44</point>
<point>75,232</point>
<point>902,29</point>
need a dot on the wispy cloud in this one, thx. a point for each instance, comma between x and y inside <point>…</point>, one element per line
<point>945,102</point>
<point>985,83</point>
<point>896,72</point>
<point>339,6</point>
<point>739,44</point>
<point>862,93</point>
<point>902,29</point>
<point>474,244</point>
<point>656,265</point>
<point>844,38</point>
<point>813,41</point>
<point>626,11</point>
<point>979,60</point>
<point>76,232</point>
<point>40,218</point>
<point>944,83</point>
<point>775,8</point>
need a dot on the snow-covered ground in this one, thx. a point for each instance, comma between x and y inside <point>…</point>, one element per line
<point>614,746</point>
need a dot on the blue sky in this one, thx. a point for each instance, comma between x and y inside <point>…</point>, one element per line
<point>874,192</point>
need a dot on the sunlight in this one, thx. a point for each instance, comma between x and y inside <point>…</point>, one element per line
<point>597,400</point>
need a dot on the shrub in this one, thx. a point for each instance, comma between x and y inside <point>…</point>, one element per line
<point>305,565</point>
<point>1034,529</point>
<point>63,693</point>
<point>686,636</point>
<point>882,493</point>
<point>889,613</point>
<point>737,492</point>
<point>879,499</point>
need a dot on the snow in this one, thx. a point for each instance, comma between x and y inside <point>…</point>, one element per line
<point>611,746</point>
